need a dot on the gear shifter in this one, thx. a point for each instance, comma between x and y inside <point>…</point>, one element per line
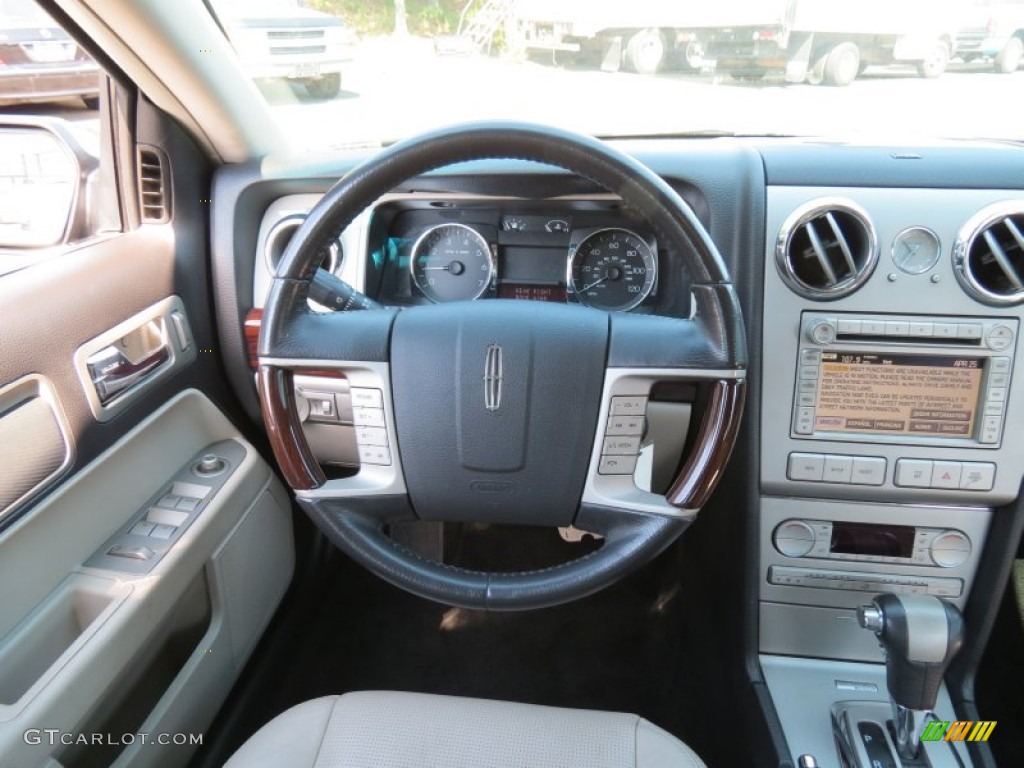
<point>920,636</point>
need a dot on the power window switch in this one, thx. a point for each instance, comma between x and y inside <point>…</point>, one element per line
<point>188,504</point>
<point>169,501</point>
<point>131,553</point>
<point>163,532</point>
<point>142,528</point>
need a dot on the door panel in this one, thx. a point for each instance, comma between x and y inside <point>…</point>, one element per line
<point>102,650</point>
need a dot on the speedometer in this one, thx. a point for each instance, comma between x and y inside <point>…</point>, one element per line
<point>613,269</point>
<point>451,262</point>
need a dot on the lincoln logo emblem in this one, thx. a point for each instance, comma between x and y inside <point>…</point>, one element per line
<point>492,377</point>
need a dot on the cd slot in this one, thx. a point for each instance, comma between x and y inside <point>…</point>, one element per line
<point>886,339</point>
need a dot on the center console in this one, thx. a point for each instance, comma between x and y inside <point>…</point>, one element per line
<point>891,329</point>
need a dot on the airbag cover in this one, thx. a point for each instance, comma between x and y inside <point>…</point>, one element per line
<point>496,407</point>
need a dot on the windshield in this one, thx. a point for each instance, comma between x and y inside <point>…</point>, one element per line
<point>342,73</point>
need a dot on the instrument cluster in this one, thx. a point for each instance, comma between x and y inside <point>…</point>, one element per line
<point>589,252</point>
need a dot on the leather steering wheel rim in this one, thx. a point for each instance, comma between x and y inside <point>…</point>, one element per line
<point>292,337</point>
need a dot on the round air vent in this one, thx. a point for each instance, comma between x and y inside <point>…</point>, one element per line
<point>826,249</point>
<point>988,255</point>
<point>281,234</point>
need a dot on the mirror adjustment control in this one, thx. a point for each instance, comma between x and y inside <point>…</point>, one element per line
<point>209,464</point>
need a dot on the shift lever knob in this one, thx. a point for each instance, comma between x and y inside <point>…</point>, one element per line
<point>920,635</point>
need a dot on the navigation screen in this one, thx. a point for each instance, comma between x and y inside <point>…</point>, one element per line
<point>898,394</point>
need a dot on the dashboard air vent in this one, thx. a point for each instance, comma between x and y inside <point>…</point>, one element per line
<point>154,185</point>
<point>988,255</point>
<point>826,249</point>
<point>280,235</point>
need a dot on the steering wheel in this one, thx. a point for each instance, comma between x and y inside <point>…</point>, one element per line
<point>500,411</point>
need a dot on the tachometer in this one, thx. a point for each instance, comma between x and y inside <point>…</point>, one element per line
<point>451,262</point>
<point>612,269</point>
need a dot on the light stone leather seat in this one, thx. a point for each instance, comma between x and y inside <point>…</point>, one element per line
<point>384,729</point>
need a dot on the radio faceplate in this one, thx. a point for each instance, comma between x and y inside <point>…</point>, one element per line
<point>903,379</point>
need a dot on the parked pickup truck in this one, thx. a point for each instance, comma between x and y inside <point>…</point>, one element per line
<point>992,30</point>
<point>281,39</point>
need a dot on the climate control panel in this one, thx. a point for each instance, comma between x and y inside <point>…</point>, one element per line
<point>872,543</point>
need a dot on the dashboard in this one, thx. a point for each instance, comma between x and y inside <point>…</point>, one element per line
<point>882,290</point>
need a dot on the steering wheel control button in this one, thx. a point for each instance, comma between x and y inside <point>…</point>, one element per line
<point>628,406</point>
<point>914,473</point>
<point>620,446</point>
<point>363,397</point>
<point>617,465</point>
<point>625,425</point>
<point>371,436</point>
<point>950,549</point>
<point>868,470</point>
<point>322,406</point>
<point>375,454</point>
<point>794,538</point>
<point>368,417</point>
<point>806,466</point>
<point>977,476</point>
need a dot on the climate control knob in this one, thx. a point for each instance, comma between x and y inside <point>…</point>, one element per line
<point>950,549</point>
<point>822,332</point>
<point>793,538</point>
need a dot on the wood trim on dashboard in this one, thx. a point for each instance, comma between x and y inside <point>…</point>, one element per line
<point>281,415</point>
<point>706,463</point>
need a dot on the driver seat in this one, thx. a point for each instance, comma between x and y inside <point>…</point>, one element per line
<point>386,729</point>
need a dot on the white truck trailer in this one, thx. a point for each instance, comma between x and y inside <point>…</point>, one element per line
<point>814,40</point>
<point>642,35</point>
<point>825,41</point>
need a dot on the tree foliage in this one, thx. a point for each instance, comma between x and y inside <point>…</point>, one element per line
<point>377,17</point>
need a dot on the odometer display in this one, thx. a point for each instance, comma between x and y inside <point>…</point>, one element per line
<point>613,269</point>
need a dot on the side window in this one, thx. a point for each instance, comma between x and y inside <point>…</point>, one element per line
<point>56,181</point>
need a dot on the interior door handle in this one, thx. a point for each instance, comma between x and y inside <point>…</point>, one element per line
<point>112,371</point>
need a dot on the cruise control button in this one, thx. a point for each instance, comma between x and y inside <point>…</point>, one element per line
<point>366,398</point>
<point>620,446</point>
<point>371,436</point>
<point>977,476</point>
<point>625,425</point>
<point>617,465</point>
<point>368,417</point>
<point>914,473</point>
<point>628,406</point>
<point>806,466</point>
